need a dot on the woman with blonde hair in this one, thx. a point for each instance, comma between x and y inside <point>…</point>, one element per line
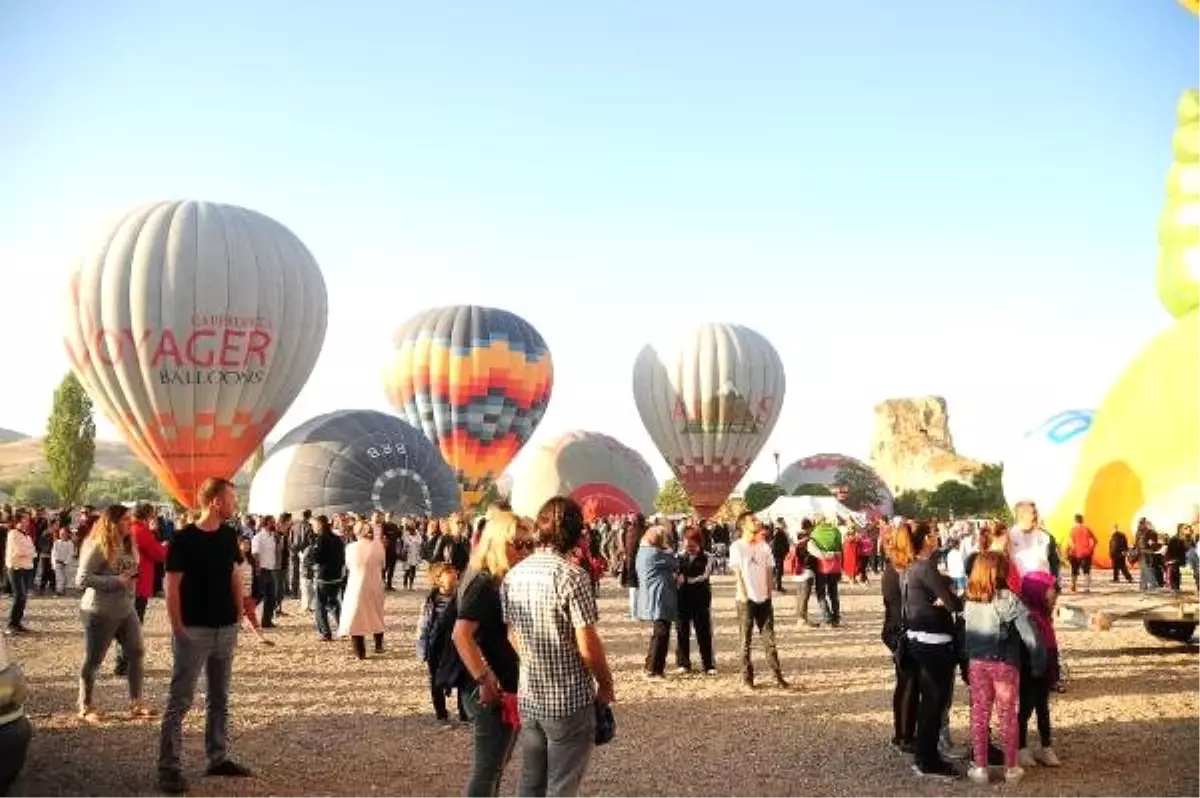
<point>362,604</point>
<point>481,639</point>
<point>108,568</point>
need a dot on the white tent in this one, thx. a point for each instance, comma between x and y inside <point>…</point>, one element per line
<point>794,509</point>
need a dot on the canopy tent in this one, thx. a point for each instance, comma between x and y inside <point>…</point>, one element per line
<point>794,509</point>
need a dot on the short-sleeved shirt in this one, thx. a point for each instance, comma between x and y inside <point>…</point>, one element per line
<point>206,560</point>
<point>479,601</point>
<point>757,566</point>
<point>546,598</point>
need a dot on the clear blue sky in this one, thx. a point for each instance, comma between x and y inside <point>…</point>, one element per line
<point>907,198</point>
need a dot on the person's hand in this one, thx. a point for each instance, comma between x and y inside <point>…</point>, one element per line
<point>605,694</point>
<point>124,580</point>
<point>489,691</point>
<point>679,579</point>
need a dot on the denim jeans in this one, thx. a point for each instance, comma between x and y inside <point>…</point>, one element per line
<point>556,752</point>
<point>827,597</point>
<point>494,742</point>
<point>329,599</point>
<point>98,634</point>
<point>211,650</point>
<point>21,582</point>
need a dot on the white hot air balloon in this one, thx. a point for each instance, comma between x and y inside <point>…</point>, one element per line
<point>1042,465</point>
<point>193,326</point>
<point>709,401</point>
<point>605,476</point>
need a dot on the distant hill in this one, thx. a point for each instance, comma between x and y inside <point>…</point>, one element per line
<point>22,456</point>
<point>10,435</point>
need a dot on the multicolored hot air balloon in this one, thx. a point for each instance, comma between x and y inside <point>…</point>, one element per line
<point>709,402</point>
<point>605,476</point>
<point>193,326</point>
<point>355,461</point>
<point>825,469</point>
<point>476,381</point>
<point>1041,465</point>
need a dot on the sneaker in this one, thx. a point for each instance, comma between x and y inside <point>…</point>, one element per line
<point>748,682</point>
<point>172,782</point>
<point>937,770</point>
<point>902,746</point>
<point>1026,759</point>
<point>978,775</point>
<point>682,670</point>
<point>1047,757</point>
<point>228,768</point>
<point>711,672</point>
<point>781,682</point>
<point>1013,774</point>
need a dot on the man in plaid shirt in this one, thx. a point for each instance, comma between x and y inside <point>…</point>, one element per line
<point>551,615</point>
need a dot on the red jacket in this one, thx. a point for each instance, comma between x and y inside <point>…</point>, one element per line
<point>150,552</point>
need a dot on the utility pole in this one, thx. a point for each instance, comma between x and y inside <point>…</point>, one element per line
<point>776,467</point>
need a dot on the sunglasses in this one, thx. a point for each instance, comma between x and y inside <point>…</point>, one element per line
<point>523,545</point>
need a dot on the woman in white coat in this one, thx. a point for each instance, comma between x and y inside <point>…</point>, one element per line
<point>362,605</point>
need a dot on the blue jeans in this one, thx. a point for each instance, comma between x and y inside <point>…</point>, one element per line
<point>205,649</point>
<point>21,581</point>
<point>827,597</point>
<point>494,742</point>
<point>556,752</point>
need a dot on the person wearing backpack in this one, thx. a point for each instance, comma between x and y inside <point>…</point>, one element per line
<point>825,546</point>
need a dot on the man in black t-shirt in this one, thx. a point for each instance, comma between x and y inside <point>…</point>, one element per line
<point>204,598</point>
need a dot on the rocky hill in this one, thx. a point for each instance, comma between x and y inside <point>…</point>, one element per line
<point>912,448</point>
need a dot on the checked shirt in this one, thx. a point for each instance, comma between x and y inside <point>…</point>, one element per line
<point>546,598</point>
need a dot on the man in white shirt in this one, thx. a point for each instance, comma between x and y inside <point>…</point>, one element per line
<point>263,547</point>
<point>753,567</point>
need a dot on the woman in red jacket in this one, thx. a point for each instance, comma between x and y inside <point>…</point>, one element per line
<point>150,554</point>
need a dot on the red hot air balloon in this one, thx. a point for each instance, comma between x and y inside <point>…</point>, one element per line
<point>193,326</point>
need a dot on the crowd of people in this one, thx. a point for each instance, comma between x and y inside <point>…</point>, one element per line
<point>509,623</point>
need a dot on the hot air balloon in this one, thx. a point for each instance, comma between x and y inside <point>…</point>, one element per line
<point>355,461</point>
<point>709,402</point>
<point>476,381</point>
<point>193,326</point>
<point>597,471</point>
<point>1041,465</point>
<point>824,469</point>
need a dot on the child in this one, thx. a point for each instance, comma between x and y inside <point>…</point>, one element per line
<point>247,568</point>
<point>435,633</point>
<point>955,566</point>
<point>62,553</point>
<point>997,624</point>
<point>1039,594</point>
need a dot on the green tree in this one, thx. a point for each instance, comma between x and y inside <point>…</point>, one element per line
<point>70,443</point>
<point>953,499</point>
<point>989,484</point>
<point>761,495</point>
<point>34,490</point>
<point>863,488</point>
<point>912,504</point>
<point>812,489</point>
<point>672,498</point>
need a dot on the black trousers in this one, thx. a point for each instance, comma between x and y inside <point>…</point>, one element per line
<point>1035,698</point>
<point>656,654</point>
<point>935,680</point>
<point>410,576</point>
<point>1121,566</point>
<point>294,585</point>
<point>47,577</point>
<point>905,701</point>
<point>360,645</point>
<point>439,698</point>
<point>389,570</point>
<point>699,616</point>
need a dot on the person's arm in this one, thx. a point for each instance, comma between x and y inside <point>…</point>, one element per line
<point>1029,637</point>
<point>150,549</point>
<point>171,587</point>
<point>940,588</point>
<point>105,583</point>
<point>469,652</point>
<point>581,608</point>
<point>704,577</point>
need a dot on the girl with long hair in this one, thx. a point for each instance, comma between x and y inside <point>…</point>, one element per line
<point>108,568</point>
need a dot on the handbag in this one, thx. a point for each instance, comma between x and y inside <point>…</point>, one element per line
<point>606,724</point>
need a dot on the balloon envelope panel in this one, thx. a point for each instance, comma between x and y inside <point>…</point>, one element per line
<point>823,469</point>
<point>588,467</point>
<point>476,381</point>
<point>709,401</point>
<point>355,461</point>
<point>1042,464</point>
<point>193,326</point>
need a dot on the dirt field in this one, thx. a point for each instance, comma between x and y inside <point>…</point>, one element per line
<point>310,720</point>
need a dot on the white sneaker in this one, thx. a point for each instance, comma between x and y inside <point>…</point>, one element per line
<point>1047,757</point>
<point>681,670</point>
<point>978,775</point>
<point>711,672</point>
<point>1026,759</point>
<point>1013,774</point>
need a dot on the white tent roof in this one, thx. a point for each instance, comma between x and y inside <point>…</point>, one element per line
<point>794,509</point>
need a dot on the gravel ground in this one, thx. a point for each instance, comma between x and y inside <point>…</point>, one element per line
<point>310,720</point>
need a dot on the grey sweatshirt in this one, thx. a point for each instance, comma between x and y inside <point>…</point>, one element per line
<point>102,593</point>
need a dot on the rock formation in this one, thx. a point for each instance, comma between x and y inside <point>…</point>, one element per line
<point>912,448</point>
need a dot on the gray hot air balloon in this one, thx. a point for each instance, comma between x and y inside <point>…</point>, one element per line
<point>355,461</point>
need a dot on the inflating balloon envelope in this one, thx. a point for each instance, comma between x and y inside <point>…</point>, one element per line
<point>355,461</point>
<point>193,326</point>
<point>709,401</point>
